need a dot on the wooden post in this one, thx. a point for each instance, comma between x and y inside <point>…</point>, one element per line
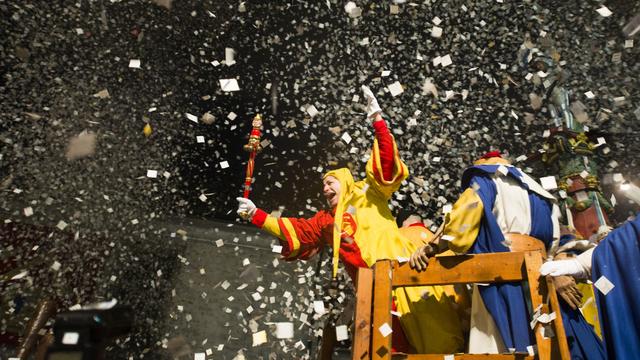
<point>381,345</point>
<point>561,336</point>
<point>533,261</point>
<point>362,329</point>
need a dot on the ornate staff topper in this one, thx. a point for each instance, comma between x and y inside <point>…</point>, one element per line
<point>252,147</point>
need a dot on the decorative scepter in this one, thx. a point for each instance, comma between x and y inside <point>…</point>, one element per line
<point>252,147</point>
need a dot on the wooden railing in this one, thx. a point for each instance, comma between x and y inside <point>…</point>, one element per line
<point>373,307</point>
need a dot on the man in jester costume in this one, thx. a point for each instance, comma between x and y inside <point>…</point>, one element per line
<point>503,209</point>
<point>361,230</point>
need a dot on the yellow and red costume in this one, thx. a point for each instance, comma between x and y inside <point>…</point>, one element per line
<point>368,233</point>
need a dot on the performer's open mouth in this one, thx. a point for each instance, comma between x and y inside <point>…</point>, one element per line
<point>330,197</point>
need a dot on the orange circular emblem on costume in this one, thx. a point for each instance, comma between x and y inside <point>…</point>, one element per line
<point>349,225</point>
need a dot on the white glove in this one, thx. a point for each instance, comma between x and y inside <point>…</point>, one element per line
<point>570,267</point>
<point>372,104</point>
<point>246,206</point>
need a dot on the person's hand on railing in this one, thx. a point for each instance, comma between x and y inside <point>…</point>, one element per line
<point>420,258</point>
<point>568,291</point>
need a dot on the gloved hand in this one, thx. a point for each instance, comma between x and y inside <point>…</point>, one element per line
<point>563,267</point>
<point>246,208</point>
<point>420,258</point>
<point>568,291</point>
<point>372,104</point>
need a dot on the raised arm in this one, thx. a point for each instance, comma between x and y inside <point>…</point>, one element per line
<point>385,169</point>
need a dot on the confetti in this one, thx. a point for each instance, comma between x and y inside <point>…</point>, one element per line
<point>134,63</point>
<point>229,85</point>
<point>385,330</point>
<point>342,333</point>
<point>395,89</point>
<point>604,285</point>
<point>259,338</point>
<point>604,11</point>
<point>192,117</point>
<point>548,183</point>
<point>284,330</point>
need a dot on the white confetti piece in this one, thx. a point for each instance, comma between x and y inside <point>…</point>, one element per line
<point>548,183</point>
<point>447,208</point>
<point>56,266</point>
<point>152,174</point>
<point>604,11</point>
<point>219,243</point>
<point>28,211</point>
<point>61,225</point>
<point>229,85</point>
<point>259,338</point>
<point>385,330</point>
<point>229,55</point>
<point>232,116</point>
<point>503,170</point>
<point>342,333</point>
<point>70,338</point>
<point>449,357</point>
<point>203,197</point>
<point>246,262</point>
<point>396,89</point>
<point>447,238</point>
<point>277,249</point>
<point>192,117</point>
<point>385,73</point>
<point>224,164</point>
<point>446,61</point>
<point>346,138</point>
<point>589,95</point>
<point>284,330</point>
<point>20,275</point>
<point>436,32</point>
<point>318,307</point>
<point>436,21</point>
<point>200,139</point>
<point>603,285</point>
<point>134,63</point>
<point>312,111</point>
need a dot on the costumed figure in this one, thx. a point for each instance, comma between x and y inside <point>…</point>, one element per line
<point>503,209</point>
<point>614,267</point>
<point>361,230</point>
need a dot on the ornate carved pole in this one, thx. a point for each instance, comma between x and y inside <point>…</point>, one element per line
<point>571,150</point>
<point>252,147</point>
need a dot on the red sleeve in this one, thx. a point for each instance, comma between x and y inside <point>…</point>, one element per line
<point>385,144</point>
<point>305,237</point>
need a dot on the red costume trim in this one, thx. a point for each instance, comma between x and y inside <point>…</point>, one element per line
<point>491,154</point>
<point>259,218</point>
<point>420,224</point>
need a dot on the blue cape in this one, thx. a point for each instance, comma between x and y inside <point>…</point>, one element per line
<point>617,257</point>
